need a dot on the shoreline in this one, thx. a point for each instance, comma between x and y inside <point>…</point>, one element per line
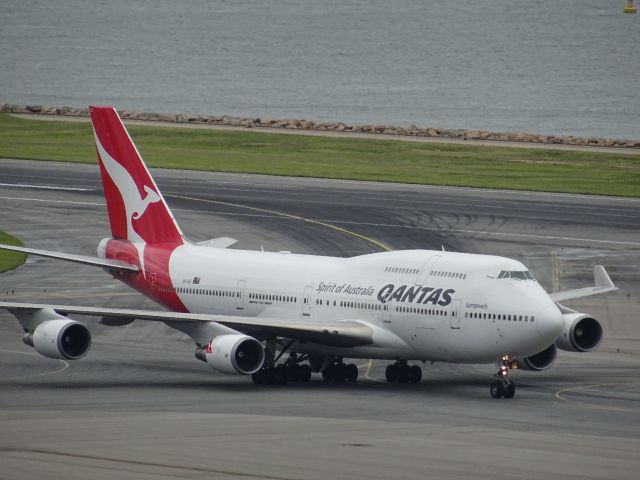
<point>339,129</point>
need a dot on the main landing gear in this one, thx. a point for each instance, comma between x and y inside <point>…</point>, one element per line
<point>290,371</point>
<point>400,372</point>
<point>503,387</point>
<point>338,371</point>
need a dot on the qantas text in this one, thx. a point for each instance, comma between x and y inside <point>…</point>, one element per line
<point>415,294</point>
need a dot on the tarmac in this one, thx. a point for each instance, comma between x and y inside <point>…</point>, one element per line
<point>140,406</point>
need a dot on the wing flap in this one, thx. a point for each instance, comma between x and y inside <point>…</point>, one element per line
<point>602,284</point>
<point>347,333</point>
<point>70,257</point>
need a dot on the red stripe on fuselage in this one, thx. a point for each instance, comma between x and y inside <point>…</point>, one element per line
<point>155,282</point>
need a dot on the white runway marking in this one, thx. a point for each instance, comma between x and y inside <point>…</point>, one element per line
<point>46,187</point>
<point>102,204</point>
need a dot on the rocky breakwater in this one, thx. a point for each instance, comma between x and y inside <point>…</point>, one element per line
<point>413,130</point>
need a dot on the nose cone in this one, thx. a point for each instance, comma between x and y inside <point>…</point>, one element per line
<point>550,324</point>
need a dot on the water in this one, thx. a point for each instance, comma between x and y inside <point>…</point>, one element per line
<point>543,66</point>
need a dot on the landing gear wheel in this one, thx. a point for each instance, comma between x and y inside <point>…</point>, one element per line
<point>329,373</point>
<point>510,390</point>
<point>391,374</point>
<point>280,375</point>
<point>293,373</point>
<point>351,373</point>
<point>339,372</point>
<point>497,389</point>
<point>259,377</point>
<point>400,372</point>
<point>415,374</point>
<point>503,387</point>
<point>304,373</point>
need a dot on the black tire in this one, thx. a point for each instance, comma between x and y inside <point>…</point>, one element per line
<point>403,374</point>
<point>293,373</point>
<point>352,373</point>
<point>510,390</point>
<point>329,373</point>
<point>304,374</point>
<point>415,374</point>
<point>497,389</point>
<point>280,375</point>
<point>259,377</point>
<point>340,373</point>
<point>391,373</point>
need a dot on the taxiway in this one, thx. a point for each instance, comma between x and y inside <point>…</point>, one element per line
<point>140,406</point>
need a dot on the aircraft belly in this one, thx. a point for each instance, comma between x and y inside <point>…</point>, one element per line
<point>384,353</point>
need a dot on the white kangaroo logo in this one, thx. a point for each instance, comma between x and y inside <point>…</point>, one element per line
<point>135,206</point>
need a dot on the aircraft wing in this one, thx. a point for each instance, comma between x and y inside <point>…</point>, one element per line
<point>84,259</point>
<point>602,284</point>
<point>346,333</point>
<point>220,242</point>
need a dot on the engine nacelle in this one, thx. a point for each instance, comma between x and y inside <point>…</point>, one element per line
<point>61,339</point>
<point>234,354</point>
<point>540,361</point>
<point>581,333</point>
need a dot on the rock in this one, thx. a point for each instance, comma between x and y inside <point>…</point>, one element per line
<point>33,108</point>
<point>164,117</point>
<point>471,135</point>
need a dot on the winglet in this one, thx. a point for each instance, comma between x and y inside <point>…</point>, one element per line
<point>601,278</point>
<point>602,284</point>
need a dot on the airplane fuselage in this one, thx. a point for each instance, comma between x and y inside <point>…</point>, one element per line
<point>430,305</point>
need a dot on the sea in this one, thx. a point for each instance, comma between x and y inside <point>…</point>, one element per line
<point>568,67</point>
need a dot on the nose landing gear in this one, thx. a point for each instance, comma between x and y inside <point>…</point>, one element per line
<point>503,387</point>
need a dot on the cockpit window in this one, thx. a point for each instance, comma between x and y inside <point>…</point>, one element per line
<point>516,275</point>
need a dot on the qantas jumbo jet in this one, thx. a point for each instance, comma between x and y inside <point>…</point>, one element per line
<point>246,309</point>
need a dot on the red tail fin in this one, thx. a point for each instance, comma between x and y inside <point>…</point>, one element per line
<point>137,211</point>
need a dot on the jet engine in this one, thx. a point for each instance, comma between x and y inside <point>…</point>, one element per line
<point>581,333</point>
<point>540,361</point>
<point>234,354</point>
<point>62,339</point>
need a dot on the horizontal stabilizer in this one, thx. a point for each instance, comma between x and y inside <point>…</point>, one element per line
<point>220,242</point>
<point>83,259</point>
<point>602,284</point>
<point>345,333</point>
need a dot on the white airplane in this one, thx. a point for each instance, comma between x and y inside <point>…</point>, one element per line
<point>245,309</point>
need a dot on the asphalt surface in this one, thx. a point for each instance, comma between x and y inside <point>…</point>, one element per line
<point>140,406</point>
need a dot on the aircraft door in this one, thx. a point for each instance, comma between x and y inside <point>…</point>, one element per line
<point>456,311</point>
<point>306,301</point>
<point>386,317</point>
<point>240,295</point>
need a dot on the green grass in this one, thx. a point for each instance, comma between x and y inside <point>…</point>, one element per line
<point>328,157</point>
<point>10,260</point>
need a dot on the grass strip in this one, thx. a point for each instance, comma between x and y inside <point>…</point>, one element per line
<point>330,157</point>
<point>10,260</point>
